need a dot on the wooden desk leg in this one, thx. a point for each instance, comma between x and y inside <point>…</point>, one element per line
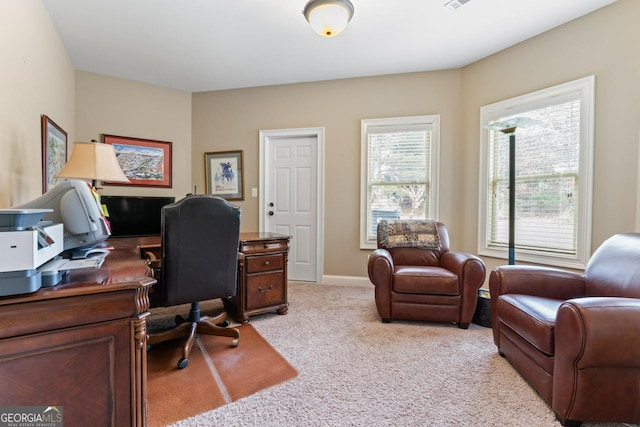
<point>139,383</point>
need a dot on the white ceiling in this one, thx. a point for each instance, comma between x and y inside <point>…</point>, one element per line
<point>202,45</point>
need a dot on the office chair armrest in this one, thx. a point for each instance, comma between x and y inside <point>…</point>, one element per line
<point>152,261</point>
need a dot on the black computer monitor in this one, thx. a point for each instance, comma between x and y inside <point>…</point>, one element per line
<point>132,216</point>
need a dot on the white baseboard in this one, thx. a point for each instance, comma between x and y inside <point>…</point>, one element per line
<point>346,281</point>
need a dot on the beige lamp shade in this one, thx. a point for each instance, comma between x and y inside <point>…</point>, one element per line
<point>94,161</point>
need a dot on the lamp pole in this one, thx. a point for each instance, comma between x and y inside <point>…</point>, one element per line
<point>512,194</point>
<point>508,127</point>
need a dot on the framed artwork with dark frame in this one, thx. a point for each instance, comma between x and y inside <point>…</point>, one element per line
<point>224,174</point>
<point>54,151</point>
<point>147,163</point>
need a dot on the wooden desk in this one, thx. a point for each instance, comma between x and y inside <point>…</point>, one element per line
<point>262,273</point>
<point>82,343</point>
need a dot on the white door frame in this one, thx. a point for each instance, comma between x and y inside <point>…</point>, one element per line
<point>265,140</point>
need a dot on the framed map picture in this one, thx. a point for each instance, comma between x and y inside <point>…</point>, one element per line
<point>145,162</point>
<point>54,152</point>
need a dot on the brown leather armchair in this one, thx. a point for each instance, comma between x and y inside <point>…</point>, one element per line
<point>424,282</point>
<point>575,337</point>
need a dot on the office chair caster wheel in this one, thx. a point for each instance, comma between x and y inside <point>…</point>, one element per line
<point>182,363</point>
<point>234,343</point>
<point>224,324</point>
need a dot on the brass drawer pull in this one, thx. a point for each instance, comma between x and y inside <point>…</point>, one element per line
<point>267,263</point>
<point>265,290</point>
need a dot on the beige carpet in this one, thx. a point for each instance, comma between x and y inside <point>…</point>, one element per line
<point>217,374</point>
<point>356,371</point>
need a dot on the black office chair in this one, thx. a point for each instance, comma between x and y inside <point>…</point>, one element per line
<point>200,236</point>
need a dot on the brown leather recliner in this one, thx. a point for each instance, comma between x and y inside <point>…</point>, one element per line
<point>575,337</point>
<point>417,283</point>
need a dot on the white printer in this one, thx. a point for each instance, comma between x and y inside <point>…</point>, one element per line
<point>26,243</point>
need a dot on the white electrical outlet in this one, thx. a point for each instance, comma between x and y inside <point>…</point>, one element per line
<point>254,192</point>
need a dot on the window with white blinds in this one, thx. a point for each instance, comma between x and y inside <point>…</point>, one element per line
<point>553,167</point>
<point>399,166</point>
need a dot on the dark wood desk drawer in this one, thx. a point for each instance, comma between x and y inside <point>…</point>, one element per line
<point>263,246</point>
<point>256,264</point>
<point>265,290</point>
<point>262,276</point>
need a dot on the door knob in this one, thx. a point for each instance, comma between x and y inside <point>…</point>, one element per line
<point>270,213</point>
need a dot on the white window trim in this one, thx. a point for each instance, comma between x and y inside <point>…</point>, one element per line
<point>488,113</point>
<point>434,121</point>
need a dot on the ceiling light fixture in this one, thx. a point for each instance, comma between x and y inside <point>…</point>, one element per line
<point>328,17</point>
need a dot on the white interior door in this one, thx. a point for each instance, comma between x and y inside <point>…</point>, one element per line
<point>291,184</point>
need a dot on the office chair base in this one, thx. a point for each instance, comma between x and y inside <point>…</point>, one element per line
<point>191,328</point>
<point>182,363</point>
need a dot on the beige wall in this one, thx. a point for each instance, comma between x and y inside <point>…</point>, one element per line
<point>112,106</point>
<point>39,79</point>
<point>36,78</point>
<point>232,119</point>
<point>606,44</point>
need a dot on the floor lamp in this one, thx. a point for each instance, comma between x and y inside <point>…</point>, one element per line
<point>508,127</point>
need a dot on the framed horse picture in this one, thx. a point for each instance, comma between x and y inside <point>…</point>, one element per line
<point>224,174</point>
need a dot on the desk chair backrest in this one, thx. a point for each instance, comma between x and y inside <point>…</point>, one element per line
<point>200,237</point>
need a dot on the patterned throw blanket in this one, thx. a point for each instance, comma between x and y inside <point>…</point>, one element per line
<point>408,234</point>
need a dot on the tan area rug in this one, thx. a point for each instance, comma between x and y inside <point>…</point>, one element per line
<point>223,375</point>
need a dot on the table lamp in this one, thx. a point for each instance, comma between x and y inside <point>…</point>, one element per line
<point>93,161</point>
